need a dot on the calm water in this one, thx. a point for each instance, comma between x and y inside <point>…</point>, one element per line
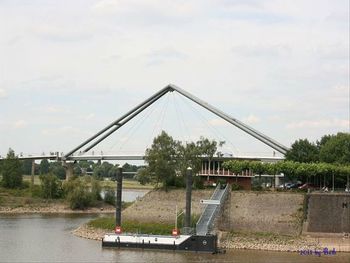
<point>130,195</point>
<point>39,238</point>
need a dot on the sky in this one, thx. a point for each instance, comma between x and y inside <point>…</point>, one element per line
<point>69,68</point>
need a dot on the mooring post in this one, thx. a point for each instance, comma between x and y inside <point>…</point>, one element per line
<point>188,199</point>
<point>118,201</point>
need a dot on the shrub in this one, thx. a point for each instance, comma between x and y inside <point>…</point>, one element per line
<point>36,191</point>
<point>257,188</point>
<point>51,186</point>
<point>109,197</point>
<point>79,194</point>
<point>236,187</point>
<point>96,189</point>
<point>198,182</point>
<point>79,198</point>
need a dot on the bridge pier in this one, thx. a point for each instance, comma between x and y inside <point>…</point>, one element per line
<point>68,166</point>
<point>33,172</point>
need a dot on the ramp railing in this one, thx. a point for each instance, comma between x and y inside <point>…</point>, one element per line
<point>205,223</point>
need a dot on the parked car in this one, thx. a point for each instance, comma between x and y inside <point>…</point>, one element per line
<point>308,186</point>
<point>290,185</point>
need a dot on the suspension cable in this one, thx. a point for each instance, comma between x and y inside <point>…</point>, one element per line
<point>213,130</point>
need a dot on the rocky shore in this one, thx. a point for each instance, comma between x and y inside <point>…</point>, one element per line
<point>271,243</point>
<point>85,231</point>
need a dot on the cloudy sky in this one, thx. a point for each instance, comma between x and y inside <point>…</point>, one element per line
<point>69,68</point>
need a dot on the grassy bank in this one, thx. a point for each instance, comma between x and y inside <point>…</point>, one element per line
<point>14,198</point>
<point>108,223</point>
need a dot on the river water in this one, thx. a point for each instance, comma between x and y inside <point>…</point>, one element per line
<point>48,238</point>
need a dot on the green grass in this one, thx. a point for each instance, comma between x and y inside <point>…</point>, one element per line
<point>108,223</point>
<point>28,178</point>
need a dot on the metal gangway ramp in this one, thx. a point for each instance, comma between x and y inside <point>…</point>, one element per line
<point>206,222</point>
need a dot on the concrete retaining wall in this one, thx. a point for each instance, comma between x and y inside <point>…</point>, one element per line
<point>328,212</point>
<point>271,212</point>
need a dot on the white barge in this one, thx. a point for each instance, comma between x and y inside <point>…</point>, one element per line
<point>195,243</point>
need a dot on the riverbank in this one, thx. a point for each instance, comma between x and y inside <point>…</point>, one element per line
<point>55,207</point>
<point>29,201</point>
<point>272,242</point>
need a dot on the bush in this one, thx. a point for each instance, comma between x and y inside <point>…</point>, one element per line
<point>96,189</point>
<point>79,198</point>
<point>109,197</point>
<point>198,182</point>
<point>79,194</point>
<point>51,186</point>
<point>236,187</point>
<point>36,191</point>
<point>257,188</point>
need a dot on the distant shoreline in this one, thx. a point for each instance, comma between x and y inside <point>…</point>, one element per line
<point>54,208</point>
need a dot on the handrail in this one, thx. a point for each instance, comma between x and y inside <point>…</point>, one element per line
<point>206,220</point>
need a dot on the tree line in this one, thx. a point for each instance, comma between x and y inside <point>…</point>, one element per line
<point>308,161</point>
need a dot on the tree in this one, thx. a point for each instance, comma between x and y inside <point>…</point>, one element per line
<point>208,148</point>
<point>143,176</point>
<point>303,151</point>
<point>44,166</point>
<point>161,159</point>
<point>336,149</point>
<point>57,169</point>
<point>102,170</point>
<point>11,171</point>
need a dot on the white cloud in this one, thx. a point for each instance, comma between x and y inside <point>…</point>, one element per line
<point>324,123</point>
<point>284,61</point>
<point>62,33</point>
<point>54,109</point>
<point>251,119</point>
<point>19,124</point>
<point>155,7</point>
<point>218,122</point>
<point>3,93</point>
<point>65,130</point>
<point>90,116</point>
